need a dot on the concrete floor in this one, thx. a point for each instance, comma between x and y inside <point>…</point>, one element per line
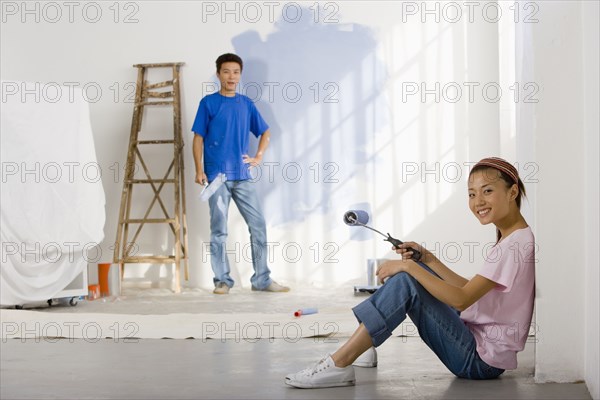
<point>215,369</point>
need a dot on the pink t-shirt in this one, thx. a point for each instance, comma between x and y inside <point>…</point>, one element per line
<point>500,320</point>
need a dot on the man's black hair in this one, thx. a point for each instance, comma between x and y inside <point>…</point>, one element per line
<point>229,57</point>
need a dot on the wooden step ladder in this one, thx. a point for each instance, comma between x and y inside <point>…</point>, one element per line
<point>125,251</point>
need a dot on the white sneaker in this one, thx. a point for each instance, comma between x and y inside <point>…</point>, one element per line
<point>368,359</point>
<point>324,374</point>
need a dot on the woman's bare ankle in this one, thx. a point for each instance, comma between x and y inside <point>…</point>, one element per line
<point>341,361</point>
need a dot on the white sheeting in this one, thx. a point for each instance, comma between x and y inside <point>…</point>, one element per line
<point>52,197</point>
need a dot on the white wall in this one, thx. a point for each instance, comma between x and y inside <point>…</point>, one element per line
<point>384,145</point>
<point>565,52</point>
<point>590,12</point>
<point>388,148</point>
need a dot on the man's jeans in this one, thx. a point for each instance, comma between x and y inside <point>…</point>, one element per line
<point>244,196</point>
<point>439,325</point>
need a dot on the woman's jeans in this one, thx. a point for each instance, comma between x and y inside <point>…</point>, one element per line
<point>439,325</point>
<point>244,196</point>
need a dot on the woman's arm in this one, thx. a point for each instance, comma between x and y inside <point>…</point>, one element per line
<point>459,298</point>
<point>432,262</point>
<point>447,274</point>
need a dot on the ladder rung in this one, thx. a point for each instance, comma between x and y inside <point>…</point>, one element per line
<point>158,65</point>
<point>155,142</point>
<point>151,180</point>
<point>150,259</point>
<point>159,85</point>
<point>158,94</point>
<point>149,221</point>
<point>155,103</point>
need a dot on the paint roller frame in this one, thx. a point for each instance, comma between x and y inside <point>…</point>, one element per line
<point>352,217</point>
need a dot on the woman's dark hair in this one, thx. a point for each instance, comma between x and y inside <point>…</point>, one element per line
<point>229,57</point>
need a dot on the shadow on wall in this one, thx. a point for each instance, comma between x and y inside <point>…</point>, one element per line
<point>319,87</point>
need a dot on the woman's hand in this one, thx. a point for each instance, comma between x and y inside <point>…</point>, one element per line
<point>391,268</point>
<point>426,256</point>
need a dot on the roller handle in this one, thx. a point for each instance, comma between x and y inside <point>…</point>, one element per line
<point>396,243</point>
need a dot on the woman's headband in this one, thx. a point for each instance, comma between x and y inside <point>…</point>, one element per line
<point>501,165</point>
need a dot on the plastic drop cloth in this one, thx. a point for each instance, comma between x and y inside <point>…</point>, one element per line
<point>52,199</point>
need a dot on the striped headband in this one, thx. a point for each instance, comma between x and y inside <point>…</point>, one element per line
<point>500,165</point>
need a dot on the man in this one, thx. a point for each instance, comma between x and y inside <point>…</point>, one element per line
<point>222,126</point>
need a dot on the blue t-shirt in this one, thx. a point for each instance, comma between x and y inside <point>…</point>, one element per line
<point>225,123</point>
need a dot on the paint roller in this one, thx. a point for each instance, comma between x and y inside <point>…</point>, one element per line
<point>210,189</point>
<point>360,218</point>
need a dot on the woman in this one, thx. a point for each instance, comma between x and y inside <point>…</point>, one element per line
<point>475,327</point>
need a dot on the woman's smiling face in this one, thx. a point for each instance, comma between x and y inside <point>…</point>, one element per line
<point>489,198</point>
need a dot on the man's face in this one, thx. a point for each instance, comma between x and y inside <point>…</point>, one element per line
<point>229,76</point>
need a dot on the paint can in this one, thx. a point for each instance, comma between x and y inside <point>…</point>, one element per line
<point>372,266</point>
<point>93,292</point>
<point>109,278</point>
